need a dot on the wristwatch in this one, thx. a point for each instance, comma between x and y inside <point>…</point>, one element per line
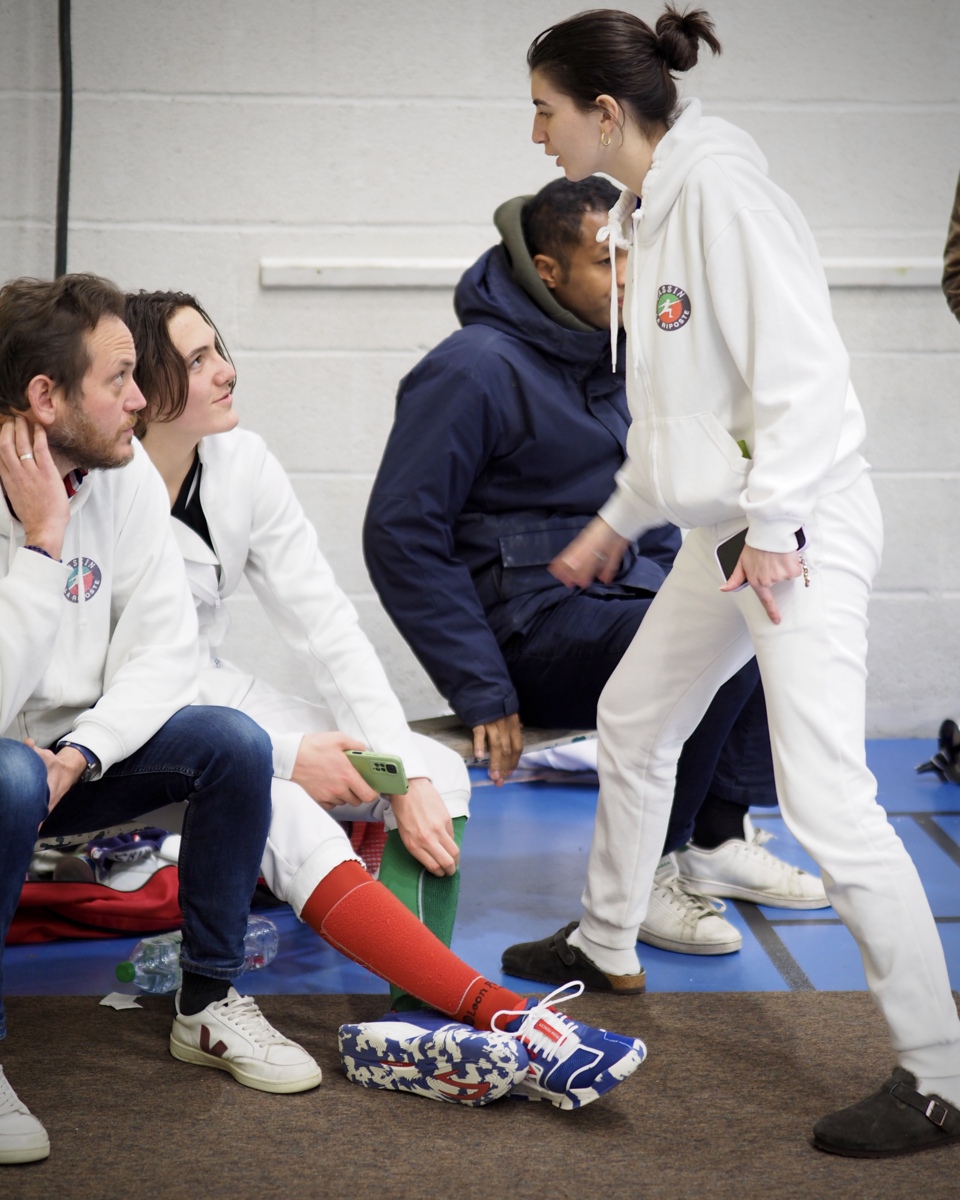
<point>93,763</point>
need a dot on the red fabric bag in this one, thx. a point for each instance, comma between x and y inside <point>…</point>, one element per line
<point>50,911</point>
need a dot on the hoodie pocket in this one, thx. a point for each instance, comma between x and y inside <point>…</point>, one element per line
<point>700,469</point>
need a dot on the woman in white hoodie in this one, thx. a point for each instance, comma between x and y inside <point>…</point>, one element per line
<point>744,419</point>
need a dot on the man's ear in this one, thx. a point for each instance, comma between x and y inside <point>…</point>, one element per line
<point>43,397</point>
<point>549,269</point>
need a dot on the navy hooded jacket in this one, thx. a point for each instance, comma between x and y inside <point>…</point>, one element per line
<point>505,444</point>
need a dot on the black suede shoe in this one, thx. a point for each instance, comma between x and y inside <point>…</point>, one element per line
<point>946,762</point>
<point>897,1119</point>
<point>554,960</point>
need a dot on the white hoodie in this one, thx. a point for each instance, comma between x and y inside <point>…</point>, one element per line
<point>105,663</point>
<point>731,339</point>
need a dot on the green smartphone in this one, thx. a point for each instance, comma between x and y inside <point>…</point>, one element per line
<point>384,772</point>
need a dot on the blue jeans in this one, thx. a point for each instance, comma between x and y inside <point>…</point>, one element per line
<point>216,759</point>
<point>560,667</point>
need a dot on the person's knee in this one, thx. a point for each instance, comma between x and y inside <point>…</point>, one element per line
<point>227,733</point>
<point>23,786</point>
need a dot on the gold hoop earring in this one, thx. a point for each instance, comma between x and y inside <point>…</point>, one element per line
<point>605,141</point>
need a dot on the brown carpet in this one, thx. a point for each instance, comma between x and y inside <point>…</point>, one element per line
<point>721,1110</point>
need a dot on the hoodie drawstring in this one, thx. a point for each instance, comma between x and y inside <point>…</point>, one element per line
<point>634,338</point>
<point>612,233</point>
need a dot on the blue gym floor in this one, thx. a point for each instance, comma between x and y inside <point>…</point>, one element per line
<point>524,859</point>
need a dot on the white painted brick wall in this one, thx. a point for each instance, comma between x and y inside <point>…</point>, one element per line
<point>209,134</point>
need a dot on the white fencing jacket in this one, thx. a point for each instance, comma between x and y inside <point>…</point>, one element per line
<point>101,647</point>
<point>259,531</point>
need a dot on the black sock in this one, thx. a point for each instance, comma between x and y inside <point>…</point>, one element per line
<point>718,821</point>
<point>197,991</point>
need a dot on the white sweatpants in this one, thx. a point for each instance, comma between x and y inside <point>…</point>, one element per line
<point>305,842</point>
<point>813,667</point>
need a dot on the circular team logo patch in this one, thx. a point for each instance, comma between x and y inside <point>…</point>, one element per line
<point>92,578</point>
<point>673,307</point>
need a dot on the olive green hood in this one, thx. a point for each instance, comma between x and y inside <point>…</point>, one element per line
<point>507,221</point>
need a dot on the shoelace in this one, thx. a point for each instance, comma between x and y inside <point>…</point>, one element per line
<point>10,1102</point>
<point>242,1012</point>
<point>755,846</point>
<point>528,1033</point>
<point>694,903</point>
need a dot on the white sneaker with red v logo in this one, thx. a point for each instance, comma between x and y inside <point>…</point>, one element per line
<point>233,1035</point>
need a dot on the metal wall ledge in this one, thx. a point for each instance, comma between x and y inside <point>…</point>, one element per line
<point>388,273</point>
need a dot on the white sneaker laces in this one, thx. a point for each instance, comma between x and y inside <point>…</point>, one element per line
<point>693,904</point>
<point>529,1034</point>
<point>755,846</point>
<point>10,1102</point>
<point>243,1014</point>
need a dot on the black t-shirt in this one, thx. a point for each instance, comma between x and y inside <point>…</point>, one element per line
<point>187,506</point>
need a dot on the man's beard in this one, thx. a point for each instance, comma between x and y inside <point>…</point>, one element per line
<point>76,439</point>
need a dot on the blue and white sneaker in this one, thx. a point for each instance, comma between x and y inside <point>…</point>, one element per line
<point>430,1055</point>
<point>571,1064</point>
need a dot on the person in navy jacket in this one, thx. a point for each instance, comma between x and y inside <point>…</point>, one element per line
<point>507,437</point>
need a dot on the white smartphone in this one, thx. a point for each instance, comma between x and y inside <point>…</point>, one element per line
<point>728,554</point>
<point>729,551</point>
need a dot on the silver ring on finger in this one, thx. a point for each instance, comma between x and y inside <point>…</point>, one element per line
<point>25,456</point>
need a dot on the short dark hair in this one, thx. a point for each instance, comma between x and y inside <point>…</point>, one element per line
<point>44,325</point>
<point>607,52</point>
<point>161,373</point>
<point>552,220</point>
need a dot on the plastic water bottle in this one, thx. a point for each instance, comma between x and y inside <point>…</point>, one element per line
<point>154,963</point>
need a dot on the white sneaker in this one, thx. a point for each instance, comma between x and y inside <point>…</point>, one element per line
<point>685,921</point>
<point>233,1035</point>
<point>22,1138</point>
<point>744,870</point>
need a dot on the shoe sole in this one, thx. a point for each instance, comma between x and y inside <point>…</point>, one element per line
<point>723,891</point>
<point>611,1078</point>
<point>26,1154</point>
<point>457,1066</point>
<point>619,985</point>
<point>662,943</point>
<point>190,1054</point>
<point>843,1152</point>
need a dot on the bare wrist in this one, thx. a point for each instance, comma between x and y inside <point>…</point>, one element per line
<point>49,542</point>
<point>72,762</point>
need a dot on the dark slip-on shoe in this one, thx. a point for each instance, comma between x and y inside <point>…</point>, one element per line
<point>554,960</point>
<point>897,1119</point>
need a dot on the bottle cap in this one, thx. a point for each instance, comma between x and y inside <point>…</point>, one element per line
<point>126,972</point>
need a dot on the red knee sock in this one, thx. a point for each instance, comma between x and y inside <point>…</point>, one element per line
<point>361,919</point>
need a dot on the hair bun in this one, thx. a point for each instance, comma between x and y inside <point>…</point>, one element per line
<point>679,36</point>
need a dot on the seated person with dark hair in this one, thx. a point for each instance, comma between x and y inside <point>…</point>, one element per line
<point>507,439</point>
<point>98,671</point>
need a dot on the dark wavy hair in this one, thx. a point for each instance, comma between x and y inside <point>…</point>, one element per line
<point>608,52</point>
<point>161,373</point>
<point>43,331</point>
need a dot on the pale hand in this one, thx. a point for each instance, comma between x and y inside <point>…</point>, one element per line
<point>595,553</point>
<point>505,739</point>
<point>33,484</point>
<point>325,773</point>
<point>762,569</point>
<point>63,770</point>
<point>425,827</point>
